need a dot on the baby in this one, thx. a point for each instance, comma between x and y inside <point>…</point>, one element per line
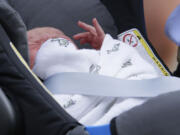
<point>37,36</point>
<point>52,52</point>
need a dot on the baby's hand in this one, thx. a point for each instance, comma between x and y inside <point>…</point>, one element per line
<point>94,35</point>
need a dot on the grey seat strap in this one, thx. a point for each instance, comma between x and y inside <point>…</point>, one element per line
<point>96,85</point>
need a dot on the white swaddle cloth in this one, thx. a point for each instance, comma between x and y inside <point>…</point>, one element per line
<point>114,59</point>
<point>61,55</point>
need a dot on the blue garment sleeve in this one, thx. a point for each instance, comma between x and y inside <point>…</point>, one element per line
<point>172,27</point>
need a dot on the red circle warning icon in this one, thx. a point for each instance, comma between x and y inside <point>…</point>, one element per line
<point>130,39</point>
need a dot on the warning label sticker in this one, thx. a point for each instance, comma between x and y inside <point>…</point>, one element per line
<point>130,39</point>
<point>134,38</point>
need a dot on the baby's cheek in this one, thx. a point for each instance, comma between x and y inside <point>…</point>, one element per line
<point>33,51</point>
<point>32,59</point>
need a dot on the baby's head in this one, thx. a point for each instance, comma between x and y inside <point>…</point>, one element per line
<point>37,36</point>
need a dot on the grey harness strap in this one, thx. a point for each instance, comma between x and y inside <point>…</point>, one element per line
<point>97,85</point>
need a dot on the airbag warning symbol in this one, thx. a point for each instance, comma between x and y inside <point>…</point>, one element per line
<point>130,39</point>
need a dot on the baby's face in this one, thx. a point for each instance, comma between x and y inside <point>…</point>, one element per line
<point>37,36</point>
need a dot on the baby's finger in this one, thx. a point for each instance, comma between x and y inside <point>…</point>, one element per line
<point>81,35</point>
<point>87,27</point>
<point>98,27</point>
<point>83,41</point>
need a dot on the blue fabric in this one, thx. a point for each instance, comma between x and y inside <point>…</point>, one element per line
<point>172,27</point>
<point>99,85</point>
<point>99,130</point>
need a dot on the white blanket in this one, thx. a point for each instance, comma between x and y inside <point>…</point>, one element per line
<point>114,59</point>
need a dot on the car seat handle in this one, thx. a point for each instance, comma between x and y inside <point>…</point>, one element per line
<point>14,28</point>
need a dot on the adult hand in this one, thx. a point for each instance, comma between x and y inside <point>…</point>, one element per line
<point>94,35</point>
